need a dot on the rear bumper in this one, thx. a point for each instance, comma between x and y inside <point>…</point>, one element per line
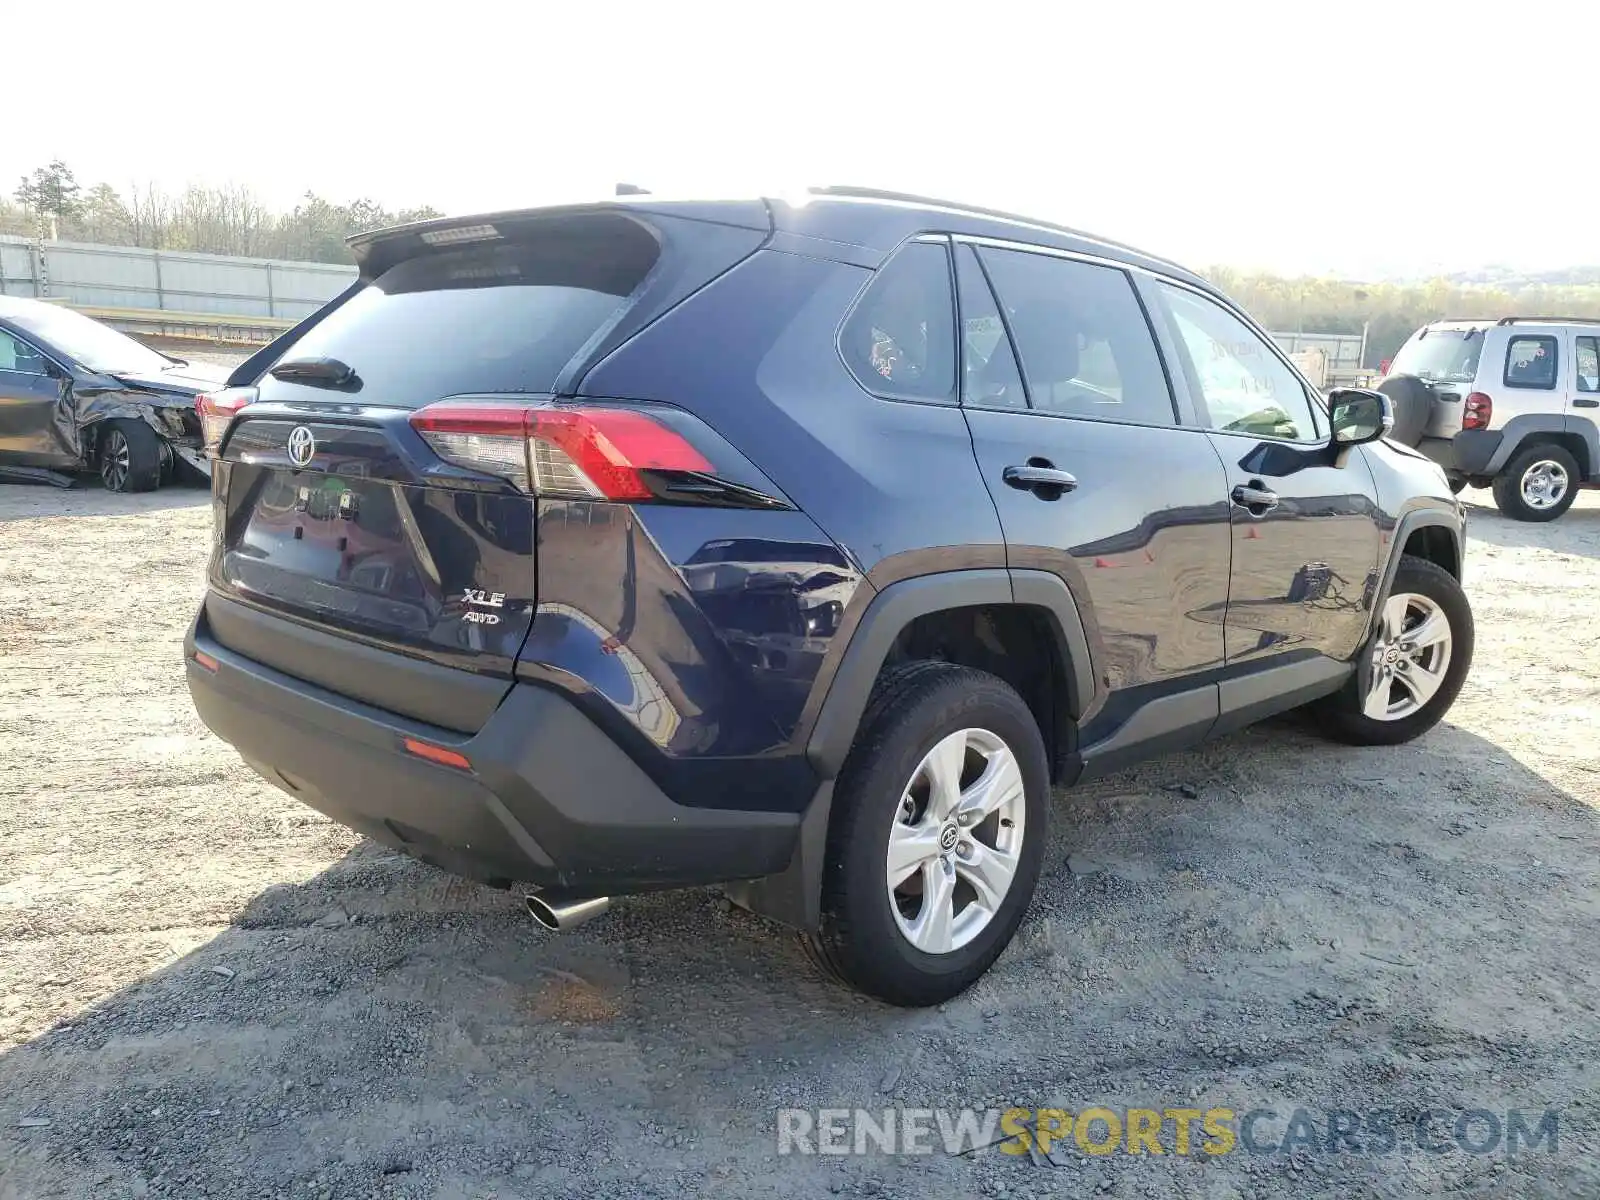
<point>549,798</point>
<point>1468,453</point>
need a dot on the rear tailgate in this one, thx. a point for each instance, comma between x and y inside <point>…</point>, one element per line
<point>335,513</point>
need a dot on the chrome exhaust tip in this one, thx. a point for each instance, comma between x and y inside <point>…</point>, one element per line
<point>560,911</point>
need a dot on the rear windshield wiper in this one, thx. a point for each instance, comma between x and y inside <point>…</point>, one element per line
<point>318,372</point>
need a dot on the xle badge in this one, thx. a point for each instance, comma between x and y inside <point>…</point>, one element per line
<point>480,599</point>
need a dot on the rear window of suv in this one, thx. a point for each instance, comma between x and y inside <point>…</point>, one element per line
<point>1441,355</point>
<point>491,317</point>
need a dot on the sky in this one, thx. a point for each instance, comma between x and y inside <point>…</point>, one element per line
<point>1355,138</point>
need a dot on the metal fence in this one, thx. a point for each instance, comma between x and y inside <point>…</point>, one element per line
<point>1344,350</point>
<point>128,279</point>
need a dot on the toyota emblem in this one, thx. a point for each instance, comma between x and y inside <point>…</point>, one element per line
<point>302,445</point>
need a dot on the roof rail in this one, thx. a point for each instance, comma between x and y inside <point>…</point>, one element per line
<point>849,192</point>
<point>1562,320</point>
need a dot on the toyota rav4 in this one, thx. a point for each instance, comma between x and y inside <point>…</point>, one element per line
<point>798,547</point>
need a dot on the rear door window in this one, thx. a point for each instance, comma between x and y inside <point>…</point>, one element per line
<point>1589,364</point>
<point>1085,347</point>
<point>1531,361</point>
<point>899,341</point>
<point>498,317</point>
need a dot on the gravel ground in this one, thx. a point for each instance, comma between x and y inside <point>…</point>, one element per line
<point>206,989</point>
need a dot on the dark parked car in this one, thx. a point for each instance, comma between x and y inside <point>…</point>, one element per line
<point>799,548</point>
<point>76,395</point>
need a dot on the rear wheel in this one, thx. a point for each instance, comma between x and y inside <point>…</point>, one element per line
<point>1538,484</point>
<point>937,836</point>
<point>1413,666</point>
<point>130,457</point>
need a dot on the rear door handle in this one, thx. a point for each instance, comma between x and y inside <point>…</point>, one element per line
<point>1257,499</point>
<point>1041,478</point>
<point>1586,404</point>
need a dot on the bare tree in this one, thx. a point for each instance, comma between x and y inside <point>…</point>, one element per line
<point>151,217</point>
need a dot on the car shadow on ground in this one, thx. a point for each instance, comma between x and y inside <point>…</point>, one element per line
<point>1269,922</point>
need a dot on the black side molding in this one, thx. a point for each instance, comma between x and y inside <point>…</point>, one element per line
<point>1250,698</point>
<point>1186,718</point>
<point>1161,726</point>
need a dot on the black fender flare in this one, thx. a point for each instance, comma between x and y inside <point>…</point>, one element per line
<point>894,608</point>
<point>794,896</point>
<point>1409,523</point>
<point>1516,433</point>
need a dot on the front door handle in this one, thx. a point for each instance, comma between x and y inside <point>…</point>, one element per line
<point>1255,498</point>
<point>1586,404</point>
<point>1040,477</point>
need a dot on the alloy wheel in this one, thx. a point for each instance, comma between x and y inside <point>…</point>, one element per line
<point>1409,659</point>
<point>114,461</point>
<point>956,841</point>
<point>1544,483</point>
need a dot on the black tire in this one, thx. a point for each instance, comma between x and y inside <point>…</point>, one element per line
<point>130,457</point>
<point>913,708</point>
<point>1508,490</point>
<point>1341,714</point>
<point>1411,400</point>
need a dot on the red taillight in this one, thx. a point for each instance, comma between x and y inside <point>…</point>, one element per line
<point>216,410</point>
<point>436,754</point>
<point>1478,412</point>
<point>558,450</point>
<point>202,659</point>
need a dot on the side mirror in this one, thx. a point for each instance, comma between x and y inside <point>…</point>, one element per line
<point>1359,416</point>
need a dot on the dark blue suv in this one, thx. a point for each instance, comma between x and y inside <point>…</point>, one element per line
<point>794,546</point>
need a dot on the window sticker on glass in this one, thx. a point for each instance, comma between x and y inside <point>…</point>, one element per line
<point>1531,362</point>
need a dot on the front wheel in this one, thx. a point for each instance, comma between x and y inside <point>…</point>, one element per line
<point>130,457</point>
<point>937,836</point>
<point>1414,665</point>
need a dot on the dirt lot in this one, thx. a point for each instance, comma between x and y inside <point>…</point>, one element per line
<point>206,989</point>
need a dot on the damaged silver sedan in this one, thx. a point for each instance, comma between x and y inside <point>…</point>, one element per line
<point>77,396</point>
